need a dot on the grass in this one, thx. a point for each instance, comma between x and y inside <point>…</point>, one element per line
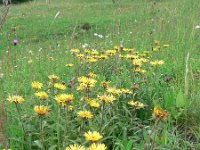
<point>47,40</point>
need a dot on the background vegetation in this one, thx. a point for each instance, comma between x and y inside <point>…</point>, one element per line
<point>47,31</point>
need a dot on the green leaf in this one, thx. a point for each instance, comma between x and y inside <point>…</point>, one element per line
<point>180,100</point>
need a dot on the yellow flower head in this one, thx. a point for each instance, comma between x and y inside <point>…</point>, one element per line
<point>92,75</point>
<point>53,78</point>
<point>75,147</point>
<point>126,91</point>
<point>86,83</point>
<point>64,98</point>
<point>69,65</point>
<point>137,62</point>
<point>166,45</point>
<point>136,104</point>
<point>15,99</point>
<point>59,86</point>
<point>92,136</point>
<point>94,104</point>
<point>139,71</point>
<point>157,63</point>
<point>74,51</point>
<point>36,85</point>
<point>159,113</point>
<point>107,98</point>
<point>95,146</point>
<point>111,52</point>
<point>92,60</point>
<point>30,61</point>
<point>41,95</point>
<point>105,84</point>
<point>102,57</point>
<point>85,114</point>
<point>41,110</point>
<point>113,91</point>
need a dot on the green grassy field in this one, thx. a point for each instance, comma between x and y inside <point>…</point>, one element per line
<point>138,32</point>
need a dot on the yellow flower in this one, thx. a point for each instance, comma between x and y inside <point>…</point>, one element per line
<point>86,83</point>
<point>30,61</point>
<point>64,98</point>
<point>41,95</point>
<point>59,86</point>
<point>166,45</point>
<point>111,52</point>
<point>105,84</point>
<point>136,104</point>
<point>53,78</point>
<point>139,71</point>
<point>69,65</point>
<point>71,108</point>
<point>102,57</point>
<point>137,62</point>
<point>92,75</point>
<point>92,60</point>
<point>95,146</point>
<point>156,42</point>
<point>159,113</point>
<point>126,91</point>
<point>157,63</point>
<point>15,99</point>
<point>80,56</point>
<point>93,104</point>
<point>113,91</point>
<point>36,85</point>
<point>75,147</point>
<point>107,98</point>
<point>41,110</point>
<point>92,136</point>
<point>74,51</point>
<point>85,114</point>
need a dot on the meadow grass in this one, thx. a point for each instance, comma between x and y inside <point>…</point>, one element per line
<point>46,34</point>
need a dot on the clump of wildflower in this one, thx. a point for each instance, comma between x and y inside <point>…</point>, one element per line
<point>59,86</point>
<point>107,98</point>
<point>92,136</point>
<point>41,95</point>
<point>64,99</point>
<point>95,146</point>
<point>53,78</point>
<point>41,110</point>
<point>75,147</point>
<point>157,63</point>
<point>15,99</point>
<point>85,114</point>
<point>86,83</point>
<point>136,104</point>
<point>159,113</point>
<point>36,85</point>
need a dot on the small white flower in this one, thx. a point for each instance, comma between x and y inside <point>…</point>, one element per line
<point>100,36</point>
<point>95,34</point>
<point>197,27</point>
<point>85,45</point>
